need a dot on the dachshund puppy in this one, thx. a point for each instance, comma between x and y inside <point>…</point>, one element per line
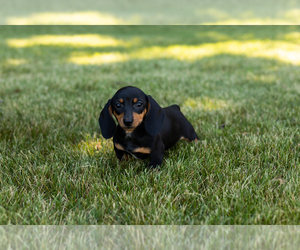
<point>145,130</point>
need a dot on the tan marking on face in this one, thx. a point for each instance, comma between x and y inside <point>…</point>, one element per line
<point>110,110</point>
<point>148,107</point>
<point>142,150</point>
<point>121,100</point>
<point>138,118</point>
<point>135,100</point>
<point>119,118</point>
<point>119,146</point>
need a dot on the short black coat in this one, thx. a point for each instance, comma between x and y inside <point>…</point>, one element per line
<point>153,130</point>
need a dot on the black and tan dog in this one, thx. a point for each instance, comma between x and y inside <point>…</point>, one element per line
<point>144,128</point>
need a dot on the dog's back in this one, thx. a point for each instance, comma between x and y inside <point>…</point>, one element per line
<point>176,127</point>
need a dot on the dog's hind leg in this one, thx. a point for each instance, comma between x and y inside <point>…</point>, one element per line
<point>189,133</point>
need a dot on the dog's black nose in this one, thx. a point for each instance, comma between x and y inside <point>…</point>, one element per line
<point>128,121</point>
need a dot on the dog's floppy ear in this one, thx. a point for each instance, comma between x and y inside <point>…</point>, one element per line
<point>106,121</point>
<point>155,117</point>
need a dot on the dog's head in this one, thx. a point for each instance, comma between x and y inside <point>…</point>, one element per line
<point>131,107</point>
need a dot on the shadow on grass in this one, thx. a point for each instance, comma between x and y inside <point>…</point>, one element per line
<point>50,101</point>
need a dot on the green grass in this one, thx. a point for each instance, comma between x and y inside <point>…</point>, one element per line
<point>153,12</point>
<point>55,168</point>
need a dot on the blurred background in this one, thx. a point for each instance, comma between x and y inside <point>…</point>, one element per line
<point>22,12</point>
<point>239,85</point>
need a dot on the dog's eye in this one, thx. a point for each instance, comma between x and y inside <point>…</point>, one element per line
<point>139,104</point>
<point>118,105</point>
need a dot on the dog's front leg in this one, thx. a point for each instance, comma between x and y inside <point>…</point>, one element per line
<point>157,155</point>
<point>120,154</point>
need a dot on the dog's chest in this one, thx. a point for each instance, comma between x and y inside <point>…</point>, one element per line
<point>135,149</point>
<point>130,146</point>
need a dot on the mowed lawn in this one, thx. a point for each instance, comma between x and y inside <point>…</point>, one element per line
<point>238,85</point>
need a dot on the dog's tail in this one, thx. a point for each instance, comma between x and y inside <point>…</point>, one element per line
<point>175,107</point>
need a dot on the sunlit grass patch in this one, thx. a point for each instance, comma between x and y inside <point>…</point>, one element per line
<point>205,103</point>
<point>253,21</point>
<point>82,18</point>
<point>279,50</point>
<point>293,15</point>
<point>15,62</point>
<point>92,145</point>
<point>98,58</point>
<point>248,17</point>
<point>293,36</point>
<point>269,78</point>
<point>85,40</point>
